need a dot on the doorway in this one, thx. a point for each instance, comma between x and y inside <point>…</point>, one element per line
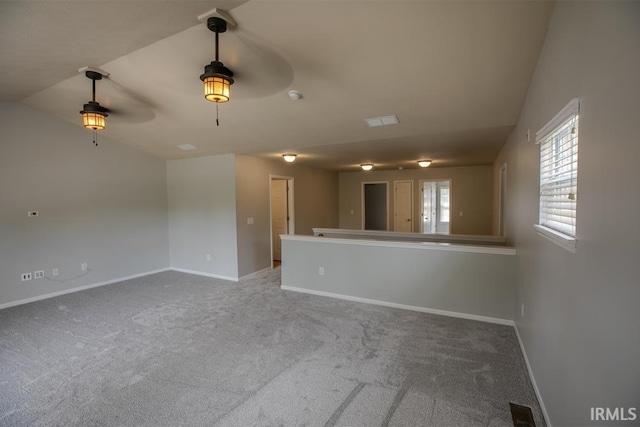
<point>281,208</point>
<point>403,206</point>
<point>375,206</point>
<point>436,206</point>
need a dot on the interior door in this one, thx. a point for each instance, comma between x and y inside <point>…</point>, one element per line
<point>403,206</point>
<point>278,215</point>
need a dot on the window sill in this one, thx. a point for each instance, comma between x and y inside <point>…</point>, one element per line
<point>565,242</point>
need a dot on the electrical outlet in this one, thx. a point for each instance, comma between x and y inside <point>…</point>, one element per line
<point>55,272</point>
<point>84,266</point>
<point>38,274</point>
<point>461,213</point>
<point>208,257</point>
<point>32,213</point>
<point>26,276</point>
<point>321,271</point>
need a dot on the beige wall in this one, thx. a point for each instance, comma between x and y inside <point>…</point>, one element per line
<point>202,215</point>
<point>471,189</point>
<point>315,204</point>
<point>581,317</point>
<point>105,206</point>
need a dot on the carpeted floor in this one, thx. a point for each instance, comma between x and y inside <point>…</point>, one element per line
<point>178,349</point>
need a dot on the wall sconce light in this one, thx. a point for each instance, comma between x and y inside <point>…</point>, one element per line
<point>424,163</point>
<point>366,166</point>
<point>289,158</point>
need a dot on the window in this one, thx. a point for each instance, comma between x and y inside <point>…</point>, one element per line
<point>558,141</point>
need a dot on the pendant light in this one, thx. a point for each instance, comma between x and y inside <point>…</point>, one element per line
<point>93,114</point>
<point>217,78</point>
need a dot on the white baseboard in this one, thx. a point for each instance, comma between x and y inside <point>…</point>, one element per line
<point>79,288</point>
<point>402,306</point>
<point>533,380</point>
<point>202,273</point>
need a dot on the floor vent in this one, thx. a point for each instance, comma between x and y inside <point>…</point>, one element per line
<point>522,416</point>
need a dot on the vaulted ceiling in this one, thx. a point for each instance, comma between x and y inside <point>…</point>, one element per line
<point>454,72</point>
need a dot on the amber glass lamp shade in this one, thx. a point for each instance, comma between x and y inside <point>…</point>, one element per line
<point>217,89</point>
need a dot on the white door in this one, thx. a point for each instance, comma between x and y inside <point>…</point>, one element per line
<point>278,215</point>
<point>403,206</point>
<point>436,197</point>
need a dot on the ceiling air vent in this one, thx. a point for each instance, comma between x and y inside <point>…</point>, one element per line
<point>187,147</point>
<point>382,121</point>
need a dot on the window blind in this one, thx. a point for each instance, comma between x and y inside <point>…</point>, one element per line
<point>559,172</point>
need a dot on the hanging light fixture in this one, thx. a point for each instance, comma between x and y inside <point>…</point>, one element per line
<point>289,158</point>
<point>424,163</point>
<point>366,166</point>
<point>93,114</point>
<point>217,78</point>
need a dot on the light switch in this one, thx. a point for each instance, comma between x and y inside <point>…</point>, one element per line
<point>250,220</point>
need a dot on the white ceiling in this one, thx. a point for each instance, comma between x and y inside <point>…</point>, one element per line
<point>456,74</point>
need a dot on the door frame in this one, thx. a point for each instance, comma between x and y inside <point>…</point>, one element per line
<point>395,203</point>
<point>290,208</point>
<point>451,216</point>
<point>362,184</point>
<point>502,200</point>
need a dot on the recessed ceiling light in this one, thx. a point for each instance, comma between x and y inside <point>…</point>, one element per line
<point>382,121</point>
<point>424,163</point>
<point>187,147</point>
<point>366,166</point>
<point>289,158</point>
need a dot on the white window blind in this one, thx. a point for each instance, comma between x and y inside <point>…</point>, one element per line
<point>559,171</point>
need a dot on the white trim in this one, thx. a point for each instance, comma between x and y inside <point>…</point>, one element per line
<point>421,237</point>
<point>571,109</point>
<point>247,276</point>
<point>202,273</point>
<point>564,241</point>
<point>79,288</point>
<point>291,226</point>
<point>448,247</point>
<point>545,414</point>
<point>402,306</point>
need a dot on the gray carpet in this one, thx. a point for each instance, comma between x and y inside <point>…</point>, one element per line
<point>178,349</point>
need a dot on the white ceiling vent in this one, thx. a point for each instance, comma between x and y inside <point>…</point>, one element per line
<point>382,121</point>
<point>187,147</point>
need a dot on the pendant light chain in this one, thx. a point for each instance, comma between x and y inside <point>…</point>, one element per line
<point>217,122</point>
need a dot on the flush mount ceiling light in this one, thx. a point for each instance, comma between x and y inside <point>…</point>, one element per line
<point>289,158</point>
<point>366,166</point>
<point>294,95</point>
<point>424,163</point>
<point>217,78</point>
<point>93,114</point>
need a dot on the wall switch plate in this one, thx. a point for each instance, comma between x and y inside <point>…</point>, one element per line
<point>38,274</point>
<point>522,310</point>
<point>250,220</point>
<point>26,276</point>
<point>55,272</point>
<point>461,213</point>
<point>32,213</point>
<point>84,266</point>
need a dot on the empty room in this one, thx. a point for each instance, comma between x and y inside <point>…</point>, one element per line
<point>319,213</point>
